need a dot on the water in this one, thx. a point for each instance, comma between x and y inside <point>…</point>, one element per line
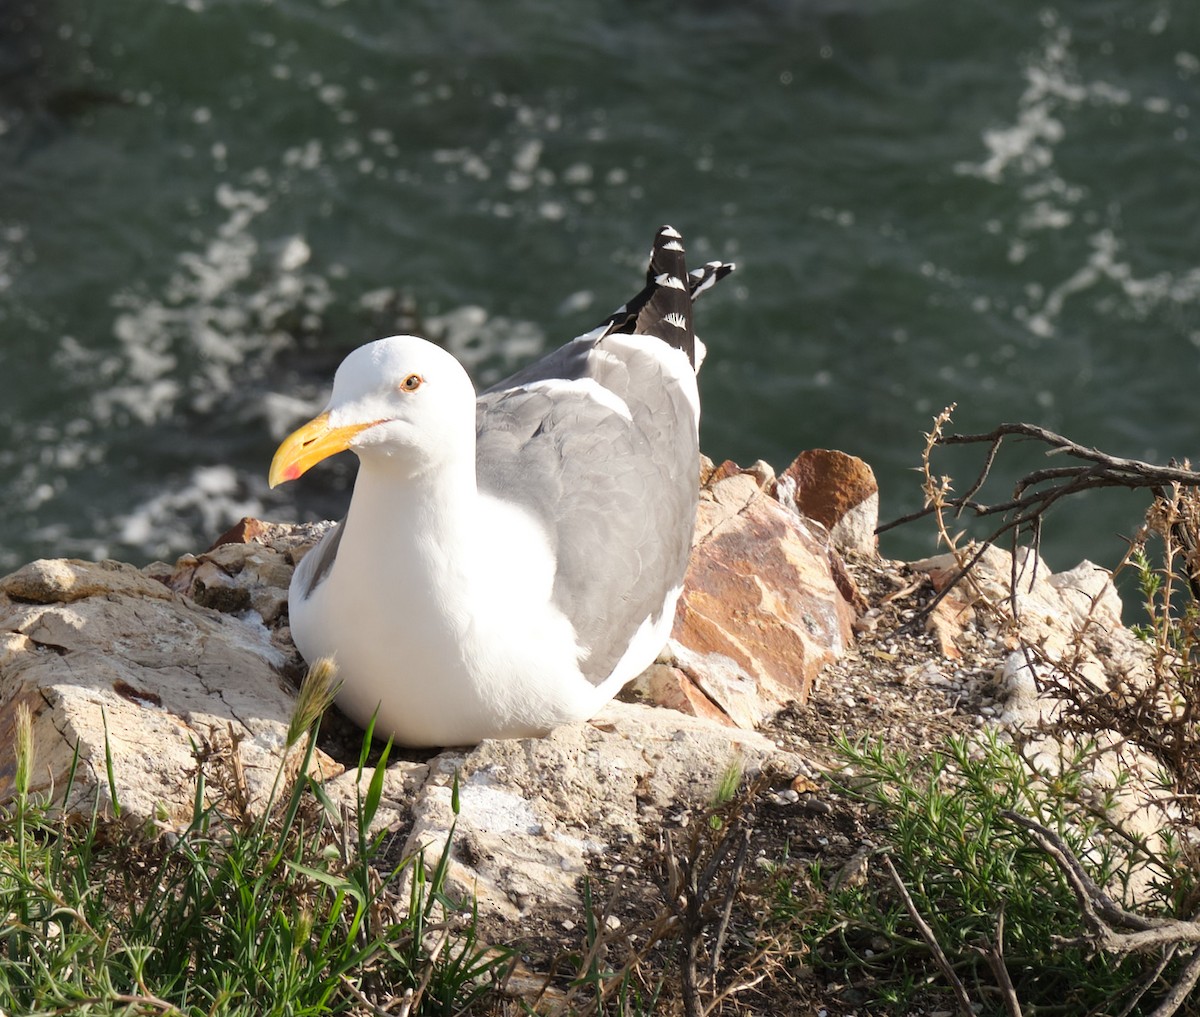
<point>204,204</point>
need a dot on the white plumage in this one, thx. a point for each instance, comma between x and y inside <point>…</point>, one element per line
<point>508,560</point>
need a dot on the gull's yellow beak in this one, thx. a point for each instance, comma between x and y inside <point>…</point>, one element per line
<point>301,450</point>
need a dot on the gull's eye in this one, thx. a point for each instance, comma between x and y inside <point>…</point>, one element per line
<point>411,383</point>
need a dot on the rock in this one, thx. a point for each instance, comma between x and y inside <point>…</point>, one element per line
<point>761,612</point>
<point>110,659</point>
<point>1073,618</point>
<point>237,577</point>
<point>63,581</point>
<point>1018,682</point>
<point>402,780</point>
<point>533,811</point>
<point>950,620</point>
<point>245,531</point>
<point>846,585</point>
<point>837,490</point>
<point>1067,642</point>
<point>667,686</point>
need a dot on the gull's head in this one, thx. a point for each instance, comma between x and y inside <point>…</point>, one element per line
<point>400,400</point>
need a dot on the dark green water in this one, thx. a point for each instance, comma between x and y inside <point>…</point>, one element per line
<point>204,204</point>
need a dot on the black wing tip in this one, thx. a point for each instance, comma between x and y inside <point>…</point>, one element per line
<point>708,275</point>
<point>664,307</point>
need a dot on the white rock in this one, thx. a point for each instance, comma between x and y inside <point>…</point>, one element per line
<point>113,661</point>
<point>533,811</point>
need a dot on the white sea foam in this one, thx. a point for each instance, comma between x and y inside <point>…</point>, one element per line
<point>219,313</point>
<point>1026,146</point>
<point>1023,153</point>
<point>209,501</point>
<point>1105,265</point>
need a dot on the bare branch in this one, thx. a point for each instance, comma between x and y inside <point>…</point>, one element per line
<point>1030,499</point>
<point>1180,991</point>
<point>1097,906</point>
<point>993,953</point>
<point>735,876</point>
<point>939,955</point>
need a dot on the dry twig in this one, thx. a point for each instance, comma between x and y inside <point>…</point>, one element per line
<point>1033,494</point>
<point>701,887</point>
<point>1037,491</point>
<point>939,955</point>
<point>993,953</point>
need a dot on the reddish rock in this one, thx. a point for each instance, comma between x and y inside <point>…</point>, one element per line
<point>942,570</point>
<point>846,584</point>
<point>244,531</point>
<point>837,490</point>
<point>664,685</point>
<point>761,612</point>
<point>723,471</point>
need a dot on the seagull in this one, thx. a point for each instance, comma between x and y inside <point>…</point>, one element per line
<point>511,559</point>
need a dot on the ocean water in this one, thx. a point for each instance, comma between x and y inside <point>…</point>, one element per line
<point>204,204</point>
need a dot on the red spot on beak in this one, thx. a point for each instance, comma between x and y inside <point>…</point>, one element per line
<point>292,472</point>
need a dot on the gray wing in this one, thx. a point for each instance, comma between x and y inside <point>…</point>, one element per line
<point>617,497</point>
<point>314,567</point>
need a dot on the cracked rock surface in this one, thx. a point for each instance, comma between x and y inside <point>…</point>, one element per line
<point>112,661</point>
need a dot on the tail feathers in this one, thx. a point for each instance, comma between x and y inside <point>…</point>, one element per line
<point>664,307</point>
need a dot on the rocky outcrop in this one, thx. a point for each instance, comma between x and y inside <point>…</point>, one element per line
<point>534,812</point>
<point>1066,623</point>
<point>146,668</point>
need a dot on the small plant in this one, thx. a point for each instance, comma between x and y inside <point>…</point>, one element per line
<point>959,896</point>
<point>280,912</point>
<point>727,787</point>
<point>1163,715</point>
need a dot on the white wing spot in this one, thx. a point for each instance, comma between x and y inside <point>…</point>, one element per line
<point>676,319</point>
<point>672,245</point>
<point>670,231</point>
<point>670,281</point>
